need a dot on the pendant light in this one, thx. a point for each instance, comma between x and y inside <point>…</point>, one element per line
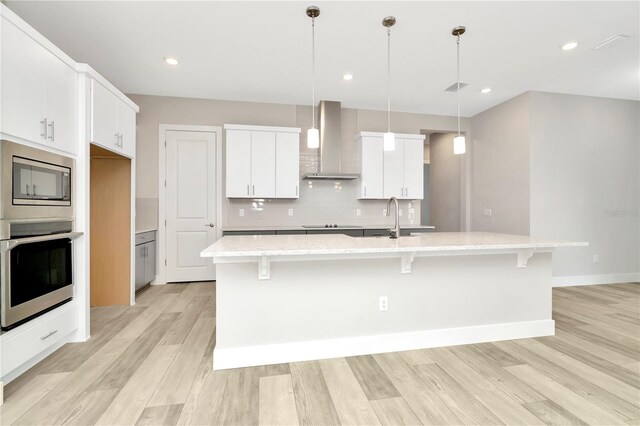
<point>313,135</point>
<point>389,139</point>
<point>459,143</point>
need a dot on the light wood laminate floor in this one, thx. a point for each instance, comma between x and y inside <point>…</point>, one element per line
<point>151,364</point>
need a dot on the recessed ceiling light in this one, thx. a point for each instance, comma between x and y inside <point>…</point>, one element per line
<point>569,46</point>
<point>171,61</point>
<point>486,90</point>
<point>347,77</point>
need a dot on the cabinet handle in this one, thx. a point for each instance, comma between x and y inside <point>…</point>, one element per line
<point>296,190</point>
<point>27,187</point>
<point>254,189</point>
<point>121,141</point>
<point>248,190</point>
<point>34,190</point>
<point>51,333</point>
<point>52,125</point>
<point>44,128</point>
<point>118,140</point>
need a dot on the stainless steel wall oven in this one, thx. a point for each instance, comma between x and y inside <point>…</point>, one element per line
<point>36,232</point>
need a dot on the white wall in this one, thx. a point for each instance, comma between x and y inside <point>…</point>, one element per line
<point>563,167</point>
<point>585,182</point>
<point>500,138</point>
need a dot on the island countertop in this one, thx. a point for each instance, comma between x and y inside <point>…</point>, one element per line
<point>301,245</point>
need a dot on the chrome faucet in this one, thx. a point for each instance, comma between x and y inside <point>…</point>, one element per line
<point>395,232</point>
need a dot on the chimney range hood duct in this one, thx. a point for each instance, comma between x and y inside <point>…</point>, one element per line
<point>330,141</point>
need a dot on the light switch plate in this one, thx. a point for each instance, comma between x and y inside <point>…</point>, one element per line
<point>488,212</point>
<point>241,212</point>
<point>290,212</point>
<point>384,212</point>
<point>358,212</point>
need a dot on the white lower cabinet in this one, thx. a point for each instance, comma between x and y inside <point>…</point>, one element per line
<point>262,161</point>
<point>386,174</point>
<point>39,101</point>
<point>20,345</point>
<point>113,122</point>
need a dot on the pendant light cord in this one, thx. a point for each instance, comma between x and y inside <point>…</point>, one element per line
<point>389,80</point>
<point>313,72</point>
<point>458,81</point>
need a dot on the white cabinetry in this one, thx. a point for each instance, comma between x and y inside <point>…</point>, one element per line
<point>262,162</point>
<point>39,99</point>
<point>113,122</point>
<point>397,173</point>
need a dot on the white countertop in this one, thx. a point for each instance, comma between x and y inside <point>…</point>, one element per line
<point>320,244</point>
<point>302,228</point>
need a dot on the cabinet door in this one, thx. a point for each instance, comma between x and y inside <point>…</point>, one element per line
<point>238,163</point>
<point>371,177</point>
<point>104,117</point>
<point>127,128</point>
<point>61,104</point>
<point>263,164</point>
<point>22,84</point>
<point>287,165</point>
<point>413,169</point>
<point>393,173</point>
<point>140,266</point>
<point>150,262</point>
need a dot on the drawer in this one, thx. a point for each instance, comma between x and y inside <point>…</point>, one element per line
<point>28,340</point>
<point>145,237</point>
<point>233,233</point>
<point>291,232</point>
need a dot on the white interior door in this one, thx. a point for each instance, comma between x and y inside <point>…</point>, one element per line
<point>191,204</point>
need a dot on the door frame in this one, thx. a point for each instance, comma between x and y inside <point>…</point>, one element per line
<point>161,277</point>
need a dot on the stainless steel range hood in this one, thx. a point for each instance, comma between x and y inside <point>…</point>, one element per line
<point>330,141</point>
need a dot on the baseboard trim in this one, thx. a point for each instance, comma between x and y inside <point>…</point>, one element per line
<point>576,280</point>
<point>250,356</point>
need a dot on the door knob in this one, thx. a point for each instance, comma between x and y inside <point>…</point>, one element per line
<point>210,225</point>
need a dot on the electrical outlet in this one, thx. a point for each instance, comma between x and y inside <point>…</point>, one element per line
<point>488,212</point>
<point>290,212</point>
<point>358,212</point>
<point>595,258</point>
<point>383,303</point>
<point>241,212</point>
<point>384,212</point>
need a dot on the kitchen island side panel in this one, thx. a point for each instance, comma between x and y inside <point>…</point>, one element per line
<point>308,305</point>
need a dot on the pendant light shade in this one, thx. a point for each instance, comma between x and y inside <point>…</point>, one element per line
<point>459,145</point>
<point>459,142</point>
<point>389,139</point>
<point>313,138</point>
<point>313,135</point>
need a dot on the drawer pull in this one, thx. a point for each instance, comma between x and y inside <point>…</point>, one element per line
<point>51,333</point>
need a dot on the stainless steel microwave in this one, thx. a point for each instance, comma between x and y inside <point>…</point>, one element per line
<point>36,184</point>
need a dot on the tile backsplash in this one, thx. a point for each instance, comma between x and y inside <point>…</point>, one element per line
<point>320,202</point>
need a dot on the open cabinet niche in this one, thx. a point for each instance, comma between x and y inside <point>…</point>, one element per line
<point>110,228</point>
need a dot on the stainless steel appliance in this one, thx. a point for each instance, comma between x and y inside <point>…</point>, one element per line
<point>35,184</point>
<point>36,269</point>
<point>36,232</point>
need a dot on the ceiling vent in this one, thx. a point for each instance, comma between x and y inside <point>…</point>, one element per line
<point>454,87</point>
<point>605,44</point>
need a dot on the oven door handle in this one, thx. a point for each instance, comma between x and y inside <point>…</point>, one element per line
<point>7,245</point>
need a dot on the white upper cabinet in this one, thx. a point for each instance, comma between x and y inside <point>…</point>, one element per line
<point>39,92</point>
<point>287,165</point>
<point>386,174</point>
<point>371,170</point>
<point>113,122</point>
<point>262,162</point>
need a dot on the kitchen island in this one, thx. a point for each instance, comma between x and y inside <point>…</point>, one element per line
<point>287,298</point>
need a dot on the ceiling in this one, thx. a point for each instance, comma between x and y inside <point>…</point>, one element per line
<point>260,51</point>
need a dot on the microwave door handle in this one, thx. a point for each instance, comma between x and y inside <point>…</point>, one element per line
<point>7,245</point>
